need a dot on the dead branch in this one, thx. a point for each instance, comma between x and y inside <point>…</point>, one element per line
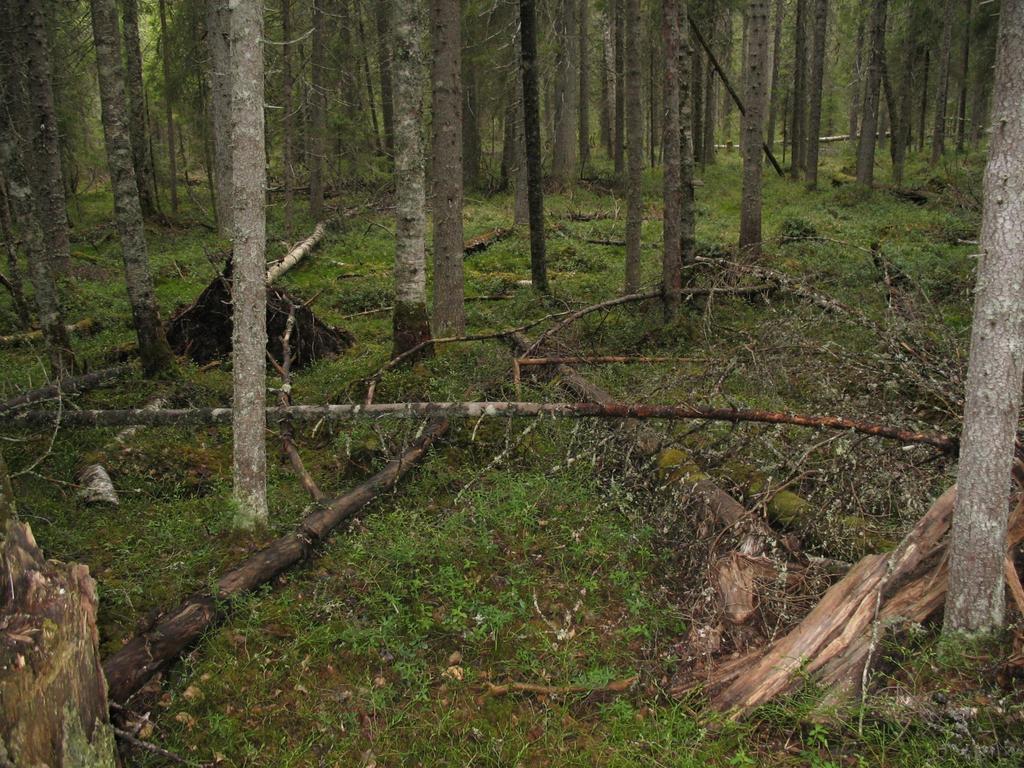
<point>298,253</point>
<point>64,387</point>
<point>483,409</point>
<point>616,686</point>
<point>600,360</point>
<point>25,337</point>
<point>146,654</point>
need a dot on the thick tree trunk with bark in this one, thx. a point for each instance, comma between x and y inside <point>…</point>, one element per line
<point>583,113</point>
<point>773,90</point>
<point>869,121</point>
<point>317,114</point>
<point>672,192</point>
<point>218,43</point>
<point>817,79</point>
<point>411,324</point>
<point>797,135</point>
<point>531,122</point>
<point>137,107</point>
<point>153,348</point>
<point>563,151</point>
<point>997,354</point>
<point>757,17</point>
<point>53,696</point>
<point>942,83</point>
<point>249,289</point>
<point>165,56</point>
<point>449,306</point>
<point>382,15</point>
<point>634,142</point>
<point>521,202</point>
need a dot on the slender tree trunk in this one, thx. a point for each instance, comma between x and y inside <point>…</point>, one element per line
<point>583,43</point>
<point>796,134</point>
<point>21,308</point>
<point>45,173</point>
<point>153,348</point>
<point>754,100</point>
<point>381,15</point>
<point>869,123</point>
<point>249,285</point>
<point>856,83</point>
<point>923,114</point>
<point>531,121</point>
<point>975,602</point>
<point>620,89</point>
<point>697,101</point>
<point>137,106</point>
<point>607,86</point>
<point>471,143</point>
<point>687,203</point>
<point>965,65</point>
<point>898,105</point>
<point>449,308</point>
<point>411,325</point>
<point>634,145</point>
<point>165,54</point>
<point>371,98</point>
<point>652,106</point>
<point>317,115</point>
<point>671,275</point>
<point>817,78</point>
<point>773,90</point>
<point>288,118</point>
<point>710,99</point>
<point>521,203</point>
<point>942,92</point>
<point>725,107</point>
<point>218,42</point>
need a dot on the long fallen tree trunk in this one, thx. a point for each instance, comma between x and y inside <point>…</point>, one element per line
<point>297,254</point>
<point>63,387</point>
<point>26,337</point>
<point>146,654</point>
<point>416,410</point>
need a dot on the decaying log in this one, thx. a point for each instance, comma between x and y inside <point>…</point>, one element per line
<point>836,640</point>
<point>484,241</point>
<point>64,387</point>
<point>97,487</point>
<point>53,699</point>
<point>483,409</point>
<point>297,254</point>
<point>25,337</point>
<point>128,669</point>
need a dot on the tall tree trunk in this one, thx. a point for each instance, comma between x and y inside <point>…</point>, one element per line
<point>965,65</point>
<point>218,42</point>
<point>165,54</point>
<point>583,111</point>
<point>607,87</point>
<point>153,347</point>
<point>898,104</point>
<point>381,16</point>
<point>975,602</point>
<point>856,83</point>
<point>634,146</point>
<point>869,123</point>
<point>249,284</point>
<point>923,114</point>
<point>697,101</point>
<point>449,308</point>
<point>16,286</point>
<point>521,202</point>
<point>620,88</point>
<point>45,173</point>
<point>371,98</point>
<point>817,78</point>
<point>942,91</point>
<point>137,107</point>
<point>797,135</point>
<point>317,115</point>
<point>471,142</point>
<point>288,118</point>
<point>411,325</point>
<point>773,89</point>
<point>652,105</point>
<point>563,153</point>
<point>754,99</point>
<point>710,98</point>
<point>531,122</point>
<point>726,105</point>
<point>671,275</point>
<point>687,202</point>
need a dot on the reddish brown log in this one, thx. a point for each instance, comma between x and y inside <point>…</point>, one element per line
<point>148,653</point>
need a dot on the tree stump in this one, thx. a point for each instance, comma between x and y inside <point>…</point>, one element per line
<point>53,696</point>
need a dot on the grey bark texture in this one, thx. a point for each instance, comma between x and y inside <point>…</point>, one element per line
<point>531,122</point>
<point>382,15</point>
<point>137,121</point>
<point>446,89</point>
<point>923,114</point>
<point>797,135</point>
<point>521,202</point>
<point>687,203</point>
<point>671,277</point>
<point>288,117</point>
<point>710,102</point>
<point>53,696</point>
<point>856,89</point>
<point>411,325</point>
<point>755,99</point>
<point>619,50</point>
<point>172,162</point>
<point>816,82</point>
<point>583,113</point>
<point>249,288</point>
<point>608,85</point>
<point>563,152</point>
<point>773,89</point>
<point>965,66</point>
<point>317,115</point>
<point>634,146</point>
<point>869,119</point>
<point>975,602</point>
<point>218,42</point>
<point>153,347</point>
<point>942,83</point>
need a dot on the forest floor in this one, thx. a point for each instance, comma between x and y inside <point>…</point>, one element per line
<point>539,551</point>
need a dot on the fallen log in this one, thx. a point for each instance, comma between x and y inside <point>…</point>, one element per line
<point>53,702</point>
<point>71,386</point>
<point>297,254</point>
<point>130,668</point>
<point>25,337</point>
<point>615,686</point>
<point>484,241</point>
<point>482,409</point>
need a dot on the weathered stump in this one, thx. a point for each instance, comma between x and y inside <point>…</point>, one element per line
<point>53,696</point>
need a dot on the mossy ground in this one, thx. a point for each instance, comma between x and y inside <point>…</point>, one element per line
<point>559,563</point>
